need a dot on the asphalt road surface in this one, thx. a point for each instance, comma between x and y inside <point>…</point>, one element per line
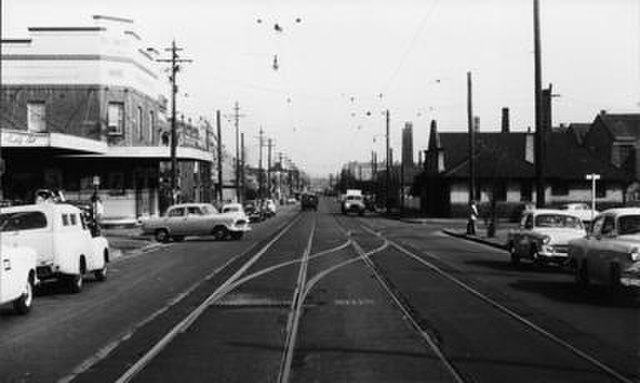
<point>318,296</point>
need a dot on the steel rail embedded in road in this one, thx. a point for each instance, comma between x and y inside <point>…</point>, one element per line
<point>296,310</point>
<point>406,312</point>
<point>547,334</point>
<point>219,293</point>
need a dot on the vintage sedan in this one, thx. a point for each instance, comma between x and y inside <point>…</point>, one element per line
<point>196,219</point>
<point>543,236</point>
<point>611,253</point>
<point>581,210</point>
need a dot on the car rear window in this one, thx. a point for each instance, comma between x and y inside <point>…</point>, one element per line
<point>26,220</point>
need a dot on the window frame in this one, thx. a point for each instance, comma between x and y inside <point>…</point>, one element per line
<point>118,128</point>
<point>42,116</point>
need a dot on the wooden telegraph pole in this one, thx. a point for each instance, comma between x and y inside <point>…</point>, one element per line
<point>539,123</point>
<point>472,141</point>
<point>175,67</point>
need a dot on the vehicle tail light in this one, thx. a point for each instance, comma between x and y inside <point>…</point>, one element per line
<point>635,255</point>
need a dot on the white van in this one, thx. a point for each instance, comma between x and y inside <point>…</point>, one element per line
<point>61,238</point>
<point>17,277</point>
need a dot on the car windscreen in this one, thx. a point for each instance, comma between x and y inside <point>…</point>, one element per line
<point>558,220</point>
<point>230,209</point>
<point>354,198</point>
<point>629,224</point>
<point>26,220</point>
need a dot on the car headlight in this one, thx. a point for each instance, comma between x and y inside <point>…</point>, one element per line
<point>546,239</point>
<point>635,255</point>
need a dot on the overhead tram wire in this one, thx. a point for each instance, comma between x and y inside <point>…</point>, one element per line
<point>414,39</point>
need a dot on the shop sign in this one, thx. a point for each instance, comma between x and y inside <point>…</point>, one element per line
<point>24,139</point>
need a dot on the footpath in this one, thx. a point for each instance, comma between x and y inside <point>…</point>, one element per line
<point>128,240</point>
<point>457,227</point>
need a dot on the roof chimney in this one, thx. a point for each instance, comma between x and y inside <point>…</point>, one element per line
<point>505,120</point>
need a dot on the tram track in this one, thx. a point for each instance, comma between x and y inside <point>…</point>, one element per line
<point>398,297</point>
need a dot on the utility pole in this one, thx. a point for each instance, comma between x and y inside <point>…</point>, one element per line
<point>219,129</point>
<point>260,170</point>
<point>242,168</point>
<point>175,61</point>
<point>236,118</point>
<point>270,146</point>
<point>539,135</point>
<point>280,155</point>
<point>388,175</point>
<point>472,141</point>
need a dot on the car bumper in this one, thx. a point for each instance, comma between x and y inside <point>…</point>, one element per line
<point>554,253</point>
<point>630,276</point>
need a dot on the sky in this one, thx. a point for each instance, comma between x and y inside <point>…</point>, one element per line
<point>347,61</point>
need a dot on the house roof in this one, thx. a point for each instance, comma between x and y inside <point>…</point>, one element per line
<point>579,130</point>
<point>502,155</point>
<point>621,125</point>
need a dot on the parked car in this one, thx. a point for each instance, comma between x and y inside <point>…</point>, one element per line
<point>196,219</point>
<point>309,201</point>
<point>17,277</point>
<point>543,236</point>
<point>234,208</point>
<point>62,239</point>
<point>253,211</point>
<point>610,254</point>
<point>581,210</point>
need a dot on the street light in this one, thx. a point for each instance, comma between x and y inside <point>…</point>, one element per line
<point>593,177</point>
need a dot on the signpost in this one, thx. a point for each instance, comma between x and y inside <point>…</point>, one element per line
<point>593,177</point>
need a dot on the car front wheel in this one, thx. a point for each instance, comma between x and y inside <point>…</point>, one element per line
<point>582,274</point>
<point>513,253</point>
<point>23,304</point>
<point>162,235</point>
<point>220,233</point>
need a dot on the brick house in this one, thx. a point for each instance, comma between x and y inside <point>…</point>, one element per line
<point>505,169</point>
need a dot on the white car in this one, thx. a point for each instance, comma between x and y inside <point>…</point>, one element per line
<point>190,219</point>
<point>62,240</point>
<point>581,210</point>
<point>17,277</point>
<point>234,208</point>
<point>611,253</point>
<point>543,236</point>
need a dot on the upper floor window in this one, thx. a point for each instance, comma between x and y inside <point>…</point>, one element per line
<point>115,118</point>
<point>151,127</point>
<point>36,116</point>
<point>140,124</point>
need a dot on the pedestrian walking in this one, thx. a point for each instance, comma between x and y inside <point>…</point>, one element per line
<point>473,218</point>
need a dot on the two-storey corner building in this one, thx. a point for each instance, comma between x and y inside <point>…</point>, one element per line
<point>81,102</point>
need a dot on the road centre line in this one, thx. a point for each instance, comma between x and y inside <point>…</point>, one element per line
<point>503,308</point>
<point>189,319</point>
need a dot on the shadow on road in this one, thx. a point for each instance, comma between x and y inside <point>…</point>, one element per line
<point>526,267</point>
<point>570,292</point>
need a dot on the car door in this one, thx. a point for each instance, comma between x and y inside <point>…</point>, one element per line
<point>177,220</point>
<point>596,244</point>
<point>196,223</point>
<point>8,280</point>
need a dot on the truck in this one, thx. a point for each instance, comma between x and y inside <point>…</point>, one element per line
<point>353,202</point>
<point>65,247</point>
